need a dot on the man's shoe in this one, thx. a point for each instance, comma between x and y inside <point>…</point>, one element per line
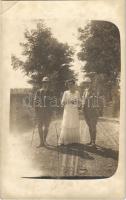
<point>60,145</point>
<point>93,145</point>
<point>89,143</point>
<point>40,145</point>
<point>45,143</point>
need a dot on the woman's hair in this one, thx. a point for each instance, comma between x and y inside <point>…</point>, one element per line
<point>70,81</point>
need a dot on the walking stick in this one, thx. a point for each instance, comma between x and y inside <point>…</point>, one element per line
<point>57,146</point>
<point>80,129</point>
<point>33,132</point>
<point>34,121</point>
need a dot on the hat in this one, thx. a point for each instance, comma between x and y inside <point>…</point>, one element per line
<point>45,79</point>
<point>70,81</point>
<point>87,80</point>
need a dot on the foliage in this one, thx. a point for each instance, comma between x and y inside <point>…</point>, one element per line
<point>100,48</point>
<point>43,55</point>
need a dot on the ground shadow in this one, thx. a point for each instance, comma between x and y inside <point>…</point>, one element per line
<point>82,150</point>
<point>99,150</point>
<point>71,150</point>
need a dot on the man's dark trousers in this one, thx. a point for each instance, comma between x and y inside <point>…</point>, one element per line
<point>43,111</point>
<point>91,118</point>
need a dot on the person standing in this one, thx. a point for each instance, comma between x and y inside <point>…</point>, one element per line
<point>90,109</point>
<point>43,110</point>
<point>70,133</point>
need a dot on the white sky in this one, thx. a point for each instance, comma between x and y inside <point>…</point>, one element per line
<point>63,18</point>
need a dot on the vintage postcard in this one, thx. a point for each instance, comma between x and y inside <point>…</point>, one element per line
<point>62,99</point>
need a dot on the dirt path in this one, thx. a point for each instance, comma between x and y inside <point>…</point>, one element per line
<point>78,161</point>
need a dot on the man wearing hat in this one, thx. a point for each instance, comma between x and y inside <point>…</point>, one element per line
<point>89,105</point>
<point>43,109</point>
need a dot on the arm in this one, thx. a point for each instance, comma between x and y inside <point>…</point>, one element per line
<point>36,101</point>
<point>79,99</point>
<point>63,101</point>
<point>85,96</point>
<point>83,99</point>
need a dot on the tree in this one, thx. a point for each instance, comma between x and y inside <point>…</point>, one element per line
<point>100,48</point>
<point>43,55</point>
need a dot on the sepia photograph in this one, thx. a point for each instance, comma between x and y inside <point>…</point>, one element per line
<point>63,76</point>
<point>69,115</point>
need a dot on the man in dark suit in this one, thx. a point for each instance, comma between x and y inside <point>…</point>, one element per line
<point>90,109</point>
<point>43,109</point>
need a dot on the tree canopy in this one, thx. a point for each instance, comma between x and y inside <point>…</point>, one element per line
<point>43,55</point>
<point>100,48</point>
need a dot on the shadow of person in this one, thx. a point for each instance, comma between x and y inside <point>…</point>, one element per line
<point>99,150</point>
<point>71,149</point>
<point>82,149</point>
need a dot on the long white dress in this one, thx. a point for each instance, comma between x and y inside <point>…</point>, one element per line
<point>70,129</point>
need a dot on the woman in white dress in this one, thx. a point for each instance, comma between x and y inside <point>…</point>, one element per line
<point>70,133</point>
